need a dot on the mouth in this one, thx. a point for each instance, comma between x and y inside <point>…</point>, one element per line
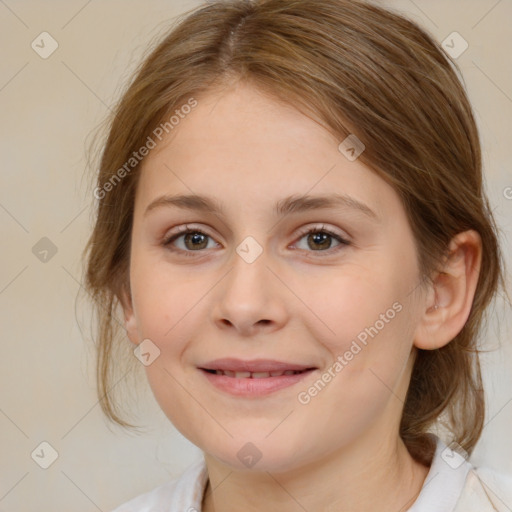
<point>253,378</point>
<point>254,375</point>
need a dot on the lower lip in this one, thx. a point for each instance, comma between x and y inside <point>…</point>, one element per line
<point>254,387</point>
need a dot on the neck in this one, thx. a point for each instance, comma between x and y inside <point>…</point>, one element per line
<point>384,477</point>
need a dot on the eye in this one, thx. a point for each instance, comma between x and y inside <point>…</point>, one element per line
<point>319,239</point>
<point>193,240</point>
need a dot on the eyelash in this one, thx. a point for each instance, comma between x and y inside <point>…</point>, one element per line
<point>184,230</point>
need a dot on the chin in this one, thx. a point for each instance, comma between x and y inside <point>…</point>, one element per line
<point>257,456</point>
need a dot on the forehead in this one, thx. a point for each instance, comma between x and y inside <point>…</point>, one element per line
<point>242,144</point>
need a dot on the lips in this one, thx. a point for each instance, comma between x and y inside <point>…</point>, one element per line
<point>254,378</point>
<point>255,368</point>
<point>253,375</point>
<point>255,384</point>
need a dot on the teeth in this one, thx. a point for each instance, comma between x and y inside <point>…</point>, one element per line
<point>255,375</point>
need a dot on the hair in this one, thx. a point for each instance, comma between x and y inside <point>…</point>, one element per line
<point>358,69</point>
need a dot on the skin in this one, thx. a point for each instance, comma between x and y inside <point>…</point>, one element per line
<point>296,302</point>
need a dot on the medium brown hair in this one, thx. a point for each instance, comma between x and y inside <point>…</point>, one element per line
<point>359,69</point>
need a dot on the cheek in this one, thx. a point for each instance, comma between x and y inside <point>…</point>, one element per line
<point>366,329</point>
<point>356,304</point>
<point>371,350</point>
<point>178,400</point>
<point>164,296</point>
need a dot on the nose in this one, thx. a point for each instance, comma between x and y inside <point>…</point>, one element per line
<point>250,299</point>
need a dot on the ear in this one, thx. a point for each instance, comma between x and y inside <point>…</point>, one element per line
<point>130,321</point>
<point>450,296</point>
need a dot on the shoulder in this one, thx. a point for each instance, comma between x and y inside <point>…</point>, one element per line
<point>183,493</point>
<point>484,492</point>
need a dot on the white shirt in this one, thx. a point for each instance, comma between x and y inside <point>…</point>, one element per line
<point>452,485</point>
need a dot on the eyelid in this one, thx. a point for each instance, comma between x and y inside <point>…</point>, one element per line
<point>183,230</point>
<point>322,227</point>
<point>344,240</point>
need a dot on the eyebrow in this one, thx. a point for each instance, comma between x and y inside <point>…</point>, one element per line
<point>286,206</point>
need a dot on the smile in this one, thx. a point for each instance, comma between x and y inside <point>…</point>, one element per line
<point>254,378</point>
<point>253,375</point>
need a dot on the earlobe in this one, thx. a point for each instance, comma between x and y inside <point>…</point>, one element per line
<point>131,328</point>
<point>130,321</point>
<point>450,297</point>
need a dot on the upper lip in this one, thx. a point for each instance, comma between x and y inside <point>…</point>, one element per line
<point>253,365</point>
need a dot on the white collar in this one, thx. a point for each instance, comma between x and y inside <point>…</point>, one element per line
<point>445,481</point>
<point>440,491</point>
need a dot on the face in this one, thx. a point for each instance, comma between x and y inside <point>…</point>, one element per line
<point>328,289</point>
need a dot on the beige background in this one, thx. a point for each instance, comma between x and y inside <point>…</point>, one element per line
<point>49,109</point>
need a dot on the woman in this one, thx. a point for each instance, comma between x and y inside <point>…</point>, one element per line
<point>292,222</point>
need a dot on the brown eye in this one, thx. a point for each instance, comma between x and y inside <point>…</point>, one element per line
<point>193,240</point>
<point>321,240</point>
